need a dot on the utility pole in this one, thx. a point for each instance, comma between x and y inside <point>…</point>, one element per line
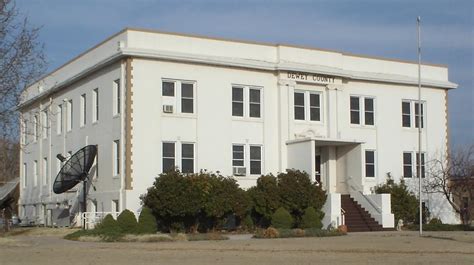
<point>418,20</point>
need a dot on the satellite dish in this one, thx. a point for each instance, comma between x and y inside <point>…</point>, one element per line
<point>75,169</point>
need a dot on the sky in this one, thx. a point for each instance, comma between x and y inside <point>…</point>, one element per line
<point>368,27</point>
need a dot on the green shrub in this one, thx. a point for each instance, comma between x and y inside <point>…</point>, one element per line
<point>435,221</point>
<point>282,219</point>
<point>312,219</point>
<point>265,199</point>
<point>247,223</point>
<point>146,222</point>
<point>404,202</point>
<point>127,222</point>
<point>109,229</point>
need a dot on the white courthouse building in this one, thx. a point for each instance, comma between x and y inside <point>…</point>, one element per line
<point>151,100</point>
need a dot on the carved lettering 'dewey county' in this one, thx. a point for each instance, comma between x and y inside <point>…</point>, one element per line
<point>311,77</point>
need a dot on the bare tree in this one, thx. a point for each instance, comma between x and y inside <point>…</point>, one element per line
<point>453,176</point>
<point>21,62</point>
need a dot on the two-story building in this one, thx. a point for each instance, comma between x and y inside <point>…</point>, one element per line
<point>152,100</point>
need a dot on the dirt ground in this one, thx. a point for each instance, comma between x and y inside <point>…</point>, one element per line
<point>43,247</point>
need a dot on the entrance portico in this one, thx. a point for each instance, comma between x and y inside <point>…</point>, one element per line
<point>329,162</point>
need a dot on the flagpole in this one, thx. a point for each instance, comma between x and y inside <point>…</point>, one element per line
<point>418,20</point>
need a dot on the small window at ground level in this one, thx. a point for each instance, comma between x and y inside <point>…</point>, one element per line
<point>370,163</point>
<point>187,158</point>
<point>255,160</point>
<point>168,156</point>
<point>407,165</point>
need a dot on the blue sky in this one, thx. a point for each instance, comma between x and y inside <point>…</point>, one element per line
<point>378,28</point>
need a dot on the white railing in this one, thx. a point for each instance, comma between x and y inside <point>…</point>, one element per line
<point>360,190</point>
<point>343,216</point>
<point>93,218</point>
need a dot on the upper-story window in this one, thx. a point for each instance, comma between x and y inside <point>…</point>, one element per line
<point>70,115</point>
<point>25,131</point>
<point>411,115</point>
<point>35,173</point>
<point>45,171</point>
<point>36,128</point>
<point>44,123</point>
<point>362,110</point>
<point>246,101</point>
<point>116,95</point>
<point>59,119</point>
<point>307,105</point>
<point>25,174</point>
<point>116,157</point>
<point>178,96</point>
<point>95,105</point>
<point>83,110</point>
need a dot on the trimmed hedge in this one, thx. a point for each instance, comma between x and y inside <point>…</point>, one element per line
<point>311,219</point>
<point>127,222</point>
<point>146,222</point>
<point>282,219</point>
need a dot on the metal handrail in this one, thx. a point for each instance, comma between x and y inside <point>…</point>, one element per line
<point>359,189</point>
<point>343,216</point>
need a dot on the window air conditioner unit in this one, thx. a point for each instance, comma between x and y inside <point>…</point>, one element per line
<point>168,108</point>
<point>239,171</point>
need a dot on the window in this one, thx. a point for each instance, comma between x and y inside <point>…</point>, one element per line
<point>254,103</point>
<point>419,116</point>
<point>307,105</point>
<point>314,107</point>
<point>238,155</point>
<point>410,112</point>
<point>237,101</point>
<point>370,163</point>
<point>187,98</point>
<point>69,121</point>
<point>369,111</point>
<point>355,110</point>
<point>44,124</point>
<point>187,158</point>
<point>406,114</point>
<point>168,89</point>
<point>45,171</point>
<point>422,165</point>
<point>116,92</point>
<point>116,162</point>
<point>36,124</point>
<point>95,105</point>
<point>168,157</point>
<point>83,110</point>
<point>115,206</point>
<point>255,160</point>
<point>407,165</point>
<point>35,173</point>
<point>59,165</point>
<point>25,131</point>
<point>59,119</point>
<point>25,174</point>
<point>299,106</point>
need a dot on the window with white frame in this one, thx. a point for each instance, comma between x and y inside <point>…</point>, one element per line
<point>95,105</point>
<point>423,173</point>
<point>362,110</point>
<point>238,155</point>
<point>412,117</point>
<point>36,126</point>
<point>45,171</point>
<point>246,101</point>
<point>178,96</point>
<point>369,163</point>
<point>307,105</point>
<point>70,115</point>
<point>44,123</point>
<point>255,160</point>
<point>25,131</point>
<point>168,155</point>
<point>25,175</point>
<point>115,206</point>
<point>116,157</point>
<point>35,173</point>
<point>83,110</point>
<point>187,158</point>
<point>59,119</point>
<point>116,94</point>
<point>407,165</point>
